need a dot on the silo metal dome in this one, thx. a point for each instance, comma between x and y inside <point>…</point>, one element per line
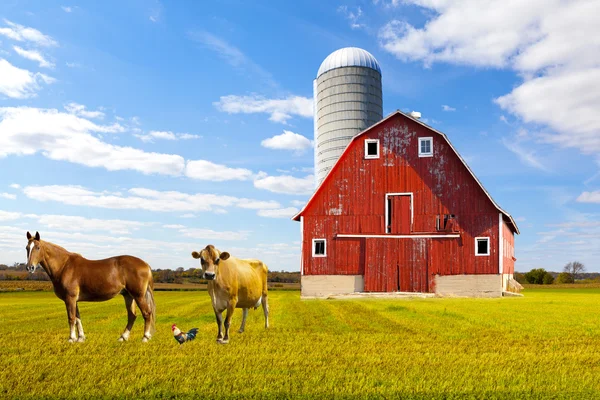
<point>348,99</point>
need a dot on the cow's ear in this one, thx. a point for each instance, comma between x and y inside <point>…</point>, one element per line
<point>28,235</point>
<point>224,256</point>
<point>37,236</point>
<point>195,254</point>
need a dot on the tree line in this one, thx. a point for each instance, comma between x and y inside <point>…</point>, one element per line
<point>19,272</point>
<point>572,272</point>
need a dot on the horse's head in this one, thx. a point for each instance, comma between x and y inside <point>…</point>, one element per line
<point>34,253</point>
<point>209,260</point>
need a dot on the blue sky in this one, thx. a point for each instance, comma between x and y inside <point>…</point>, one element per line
<point>154,128</point>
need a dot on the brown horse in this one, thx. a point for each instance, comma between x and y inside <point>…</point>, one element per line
<point>77,279</point>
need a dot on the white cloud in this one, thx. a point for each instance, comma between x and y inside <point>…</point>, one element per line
<point>165,135</point>
<point>80,111</point>
<point>9,216</point>
<point>143,199</point>
<point>298,203</point>
<point>448,108</point>
<point>34,56</point>
<point>20,83</point>
<point>22,33</point>
<point>589,197</point>
<point>528,157</point>
<point>9,196</point>
<point>288,141</point>
<point>67,9</point>
<point>73,64</point>
<point>67,222</point>
<point>553,45</point>
<point>66,137</point>
<point>279,213</point>
<point>188,216</point>
<point>213,235</point>
<point>286,184</point>
<point>208,171</point>
<point>352,15</point>
<point>15,186</point>
<point>280,110</point>
<point>174,226</point>
<point>232,55</point>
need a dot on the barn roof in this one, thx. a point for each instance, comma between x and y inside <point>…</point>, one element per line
<point>507,216</point>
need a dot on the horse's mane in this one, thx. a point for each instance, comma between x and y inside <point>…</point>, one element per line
<point>57,247</point>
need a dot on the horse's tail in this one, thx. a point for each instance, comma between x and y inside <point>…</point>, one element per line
<point>151,303</point>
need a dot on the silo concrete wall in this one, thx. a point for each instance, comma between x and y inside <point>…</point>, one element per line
<point>347,101</point>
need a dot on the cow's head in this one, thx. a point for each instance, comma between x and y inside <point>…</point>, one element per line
<point>34,254</point>
<point>209,260</point>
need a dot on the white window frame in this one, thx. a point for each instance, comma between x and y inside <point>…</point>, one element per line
<point>422,139</point>
<point>477,239</point>
<point>324,245</point>
<point>367,156</point>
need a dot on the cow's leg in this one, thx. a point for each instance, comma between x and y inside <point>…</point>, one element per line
<point>80,334</point>
<point>71,303</point>
<point>130,305</point>
<point>219,315</point>
<point>265,306</point>
<point>230,309</point>
<point>244,315</point>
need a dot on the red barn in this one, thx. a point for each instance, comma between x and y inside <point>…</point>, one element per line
<point>401,211</point>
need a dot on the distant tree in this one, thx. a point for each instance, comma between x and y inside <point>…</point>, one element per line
<point>564,277</point>
<point>536,276</point>
<point>574,268</point>
<point>519,277</point>
<point>548,279</point>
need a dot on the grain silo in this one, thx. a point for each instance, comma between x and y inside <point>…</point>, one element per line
<point>348,99</point>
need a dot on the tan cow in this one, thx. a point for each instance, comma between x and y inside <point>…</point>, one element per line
<point>233,283</point>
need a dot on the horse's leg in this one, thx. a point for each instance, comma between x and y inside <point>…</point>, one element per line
<point>244,315</point>
<point>219,316</point>
<point>71,303</point>
<point>147,314</point>
<point>265,306</point>
<point>230,309</point>
<point>130,305</point>
<point>80,333</point>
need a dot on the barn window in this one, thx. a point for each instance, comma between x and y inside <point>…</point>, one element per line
<point>319,248</point>
<point>372,148</point>
<point>482,246</point>
<point>426,147</point>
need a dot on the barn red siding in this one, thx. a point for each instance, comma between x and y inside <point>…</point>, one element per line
<point>508,263</point>
<point>352,201</point>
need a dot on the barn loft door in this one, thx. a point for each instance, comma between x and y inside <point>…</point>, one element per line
<point>399,214</point>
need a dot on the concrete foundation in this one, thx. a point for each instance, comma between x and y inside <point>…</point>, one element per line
<point>327,285</point>
<point>469,285</point>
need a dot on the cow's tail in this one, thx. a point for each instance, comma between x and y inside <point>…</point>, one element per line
<point>151,303</point>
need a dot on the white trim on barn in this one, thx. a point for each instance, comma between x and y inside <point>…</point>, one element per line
<point>501,248</point>
<point>387,215</point>
<point>343,235</point>
<point>301,246</point>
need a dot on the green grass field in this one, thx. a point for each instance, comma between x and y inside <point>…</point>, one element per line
<point>544,345</point>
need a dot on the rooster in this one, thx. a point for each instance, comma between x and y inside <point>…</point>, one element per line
<point>182,337</point>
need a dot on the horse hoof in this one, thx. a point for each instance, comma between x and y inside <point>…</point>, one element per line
<point>81,339</point>
<point>71,340</point>
<point>241,331</point>
<point>145,339</point>
<point>224,341</point>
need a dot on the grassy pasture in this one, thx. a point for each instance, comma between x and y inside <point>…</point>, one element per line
<point>544,345</point>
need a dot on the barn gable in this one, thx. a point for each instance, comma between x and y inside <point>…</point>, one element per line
<point>394,139</point>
